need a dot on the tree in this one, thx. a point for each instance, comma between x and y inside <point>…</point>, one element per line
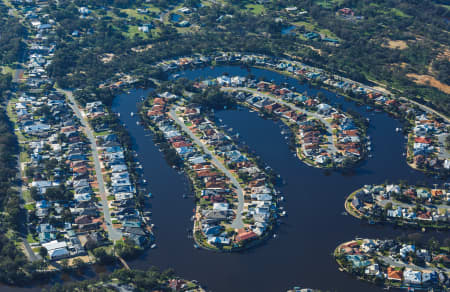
<point>43,252</point>
<point>102,256</point>
<point>64,264</point>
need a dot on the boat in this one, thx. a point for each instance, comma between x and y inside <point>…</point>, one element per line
<point>150,195</point>
<point>137,123</point>
<point>284,213</point>
<point>274,236</point>
<point>153,245</point>
<point>131,114</point>
<point>196,246</point>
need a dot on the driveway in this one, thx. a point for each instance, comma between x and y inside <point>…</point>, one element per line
<point>114,234</point>
<point>237,222</point>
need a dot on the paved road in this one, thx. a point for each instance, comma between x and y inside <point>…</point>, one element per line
<point>392,262</point>
<point>114,234</point>
<point>237,222</point>
<point>408,206</point>
<point>443,153</point>
<point>427,109</point>
<point>29,251</point>
<point>331,145</point>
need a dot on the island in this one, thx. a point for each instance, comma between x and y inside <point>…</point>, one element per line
<point>402,205</point>
<point>395,264</point>
<point>236,204</point>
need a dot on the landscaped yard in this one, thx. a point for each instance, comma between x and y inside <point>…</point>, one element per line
<point>256,8</point>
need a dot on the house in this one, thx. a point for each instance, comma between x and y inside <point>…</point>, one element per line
<point>219,240</point>
<point>394,274</point>
<point>56,249</point>
<point>412,277</point>
<point>245,235</point>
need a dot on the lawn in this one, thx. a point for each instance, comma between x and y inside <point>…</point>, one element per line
<point>256,8</point>
<point>135,14</point>
<point>7,70</point>
<point>27,197</point>
<point>399,13</point>
<point>24,156</point>
<point>31,239</point>
<point>134,29</point>
<point>313,27</point>
<point>329,3</point>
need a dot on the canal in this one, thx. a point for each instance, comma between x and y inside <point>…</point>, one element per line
<point>301,254</point>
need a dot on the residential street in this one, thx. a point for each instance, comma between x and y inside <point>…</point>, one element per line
<point>427,109</point>
<point>443,153</point>
<point>408,206</point>
<point>237,222</point>
<point>391,262</point>
<point>114,234</point>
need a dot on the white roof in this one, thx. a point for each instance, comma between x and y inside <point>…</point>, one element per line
<point>58,252</point>
<point>52,245</point>
<point>220,206</point>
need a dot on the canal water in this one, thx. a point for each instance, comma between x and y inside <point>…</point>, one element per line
<point>301,254</point>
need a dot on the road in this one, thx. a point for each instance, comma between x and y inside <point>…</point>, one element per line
<point>331,145</point>
<point>396,204</point>
<point>237,222</point>
<point>391,262</point>
<point>443,152</point>
<point>427,109</point>
<point>113,233</point>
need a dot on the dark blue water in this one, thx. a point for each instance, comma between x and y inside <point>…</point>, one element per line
<point>302,252</point>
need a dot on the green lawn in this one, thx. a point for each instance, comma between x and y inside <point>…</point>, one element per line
<point>31,239</point>
<point>313,27</point>
<point>27,197</point>
<point>7,70</point>
<point>256,8</point>
<point>30,207</point>
<point>134,29</point>
<point>329,3</point>
<point>24,156</point>
<point>399,13</point>
<point>135,14</point>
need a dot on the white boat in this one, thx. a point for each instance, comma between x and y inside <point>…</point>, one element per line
<point>153,245</point>
<point>131,114</point>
